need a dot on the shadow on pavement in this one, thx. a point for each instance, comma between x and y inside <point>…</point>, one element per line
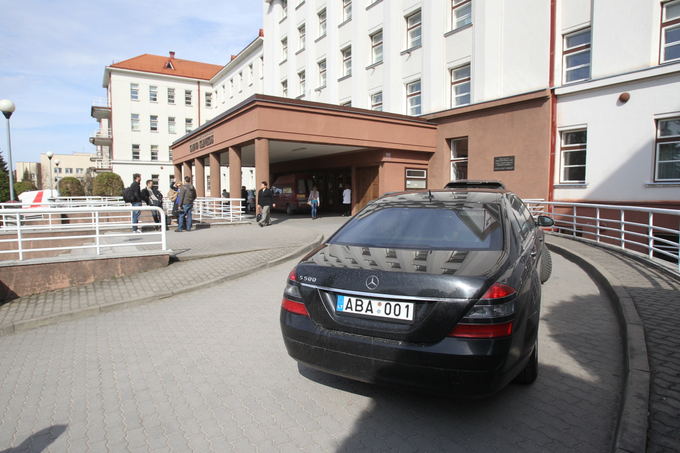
<point>39,441</point>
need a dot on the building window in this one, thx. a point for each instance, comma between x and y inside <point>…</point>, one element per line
<point>413,30</point>
<point>670,32</point>
<point>154,152</point>
<point>577,56</point>
<point>171,179</point>
<point>284,49</point>
<point>171,95</point>
<point>322,22</point>
<point>376,101</point>
<point>668,150</point>
<point>187,98</point>
<point>415,179</point>
<point>461,13</point>
<point>301,37</point>
<point>135,152</point>
<point>154,181</point>
<point>231,88</point>
<point>134,92</point>
<point>346,61</point>
<point>413,98</point>
<point>208,100</point>
<point>188,124</point>
<point>346,10</point>
<point>68,171</point>
<point>459,158</point>
<point>79,171</point>
<point>153,93</point>
<point>301,83</point>
<point>284,9</point>
<point>250,74</point>
<point>460,85</point>
<point>377,47</point>
<point>284,88</point>
<point>573,156</point>
<point>134,121</point>
<point>171,125</point>
<point>261,67</point>
<point>322,72</point>
<point>153,123</point>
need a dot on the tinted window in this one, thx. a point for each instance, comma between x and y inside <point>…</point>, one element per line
<point>524,218</point>
<point>463,228</point>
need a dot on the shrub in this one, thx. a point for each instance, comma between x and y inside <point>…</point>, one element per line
<point>24,186</point>
<point>70,187</point>
<point>107,184</point>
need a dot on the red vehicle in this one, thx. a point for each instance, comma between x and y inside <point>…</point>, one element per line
<point>291,191</point>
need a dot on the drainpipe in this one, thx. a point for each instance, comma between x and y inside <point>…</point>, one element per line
<point>553,100</point>
<point>198,103</point>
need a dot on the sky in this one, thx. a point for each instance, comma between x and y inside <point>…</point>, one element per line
<point>53,54</point>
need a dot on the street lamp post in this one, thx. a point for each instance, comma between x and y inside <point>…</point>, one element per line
<point>50,155</point>
<point>7,108</point>
<point>56,178</point>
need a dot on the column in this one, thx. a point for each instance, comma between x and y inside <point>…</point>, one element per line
<point>178,172</point>
<point>199,164</point>
<point>215,177</point>
<point>261,161</point>
<point>234,172</point>
<point>186,169</point>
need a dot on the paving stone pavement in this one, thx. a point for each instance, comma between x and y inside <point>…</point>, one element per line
<point>657,298</point>
<point>207,372</point>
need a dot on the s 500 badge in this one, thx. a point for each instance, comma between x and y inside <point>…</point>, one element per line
<point>308,279</point>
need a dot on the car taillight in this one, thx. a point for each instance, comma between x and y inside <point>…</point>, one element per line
<point>294,307</point>
<point>293,275</point>
<point>496,304</point>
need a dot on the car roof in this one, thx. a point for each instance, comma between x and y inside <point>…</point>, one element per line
<point>469,195</point>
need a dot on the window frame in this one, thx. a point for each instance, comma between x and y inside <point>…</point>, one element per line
<point>134,92</point>
<point>208,99</point>
<point>575,147</point>
<point>302,37</point>
<point>153,93</point>
<point>171,96</point>
<point>153,152</point>
<point>188,98</point>
<point>322,66</point>
<point>458,5</point>
<point>419,26</point>
<point>408,178</point>
<point>664,140</point>
<point>135,122</point>
<point>188,125</point>
<point>153,123</point>
<point>418,93</point>
<point>172,125</point>
<point>136,149</point>
<point>284,88</point>
<point>375,45</point>
<point>457,159</point>
<point>460,82</point>
<point>302,82</point>
<point>346,54</point>
<point>346,6</point>
<point>284,48</point>
<point>376,104</point>
<point>322,16</point>
<point>569,51</point>
<point>667,25</point>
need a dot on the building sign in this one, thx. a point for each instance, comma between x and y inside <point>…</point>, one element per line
<point>201,143</point>
<point>504,163</point>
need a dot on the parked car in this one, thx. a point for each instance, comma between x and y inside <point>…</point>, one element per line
<point>291,192</point>
<point>439,290</point>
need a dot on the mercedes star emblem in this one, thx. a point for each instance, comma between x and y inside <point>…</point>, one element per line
<point>372,282</point>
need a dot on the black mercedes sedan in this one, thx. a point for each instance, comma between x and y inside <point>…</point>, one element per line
<point>437,290</point>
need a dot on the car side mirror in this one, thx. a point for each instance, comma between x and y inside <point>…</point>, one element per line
<point>544,221</point>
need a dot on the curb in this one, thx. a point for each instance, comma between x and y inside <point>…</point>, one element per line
<point>90,311</point>
<point>631,427</point>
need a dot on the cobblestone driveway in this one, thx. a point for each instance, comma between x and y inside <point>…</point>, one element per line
<point>208,371</point>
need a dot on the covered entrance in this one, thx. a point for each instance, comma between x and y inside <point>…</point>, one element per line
<point>297,144</point>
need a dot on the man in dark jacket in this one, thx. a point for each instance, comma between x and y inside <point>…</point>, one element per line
<point>265,200</point>
<point>136,200</point>
<point>152,197</point>
<point>187,195</point>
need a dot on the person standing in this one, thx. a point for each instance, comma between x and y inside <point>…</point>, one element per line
<point>347,201</point>
<point>314,201</point>
<point>152,197</point>
<point>265,200</point>
<point>135,200</point>
<point>187,195</point>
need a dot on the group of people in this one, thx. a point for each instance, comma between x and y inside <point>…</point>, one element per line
<point>181,194</point>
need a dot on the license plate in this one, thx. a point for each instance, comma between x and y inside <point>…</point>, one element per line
<point>377,308</point>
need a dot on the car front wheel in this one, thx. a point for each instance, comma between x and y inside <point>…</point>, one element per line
<point>546,264</point>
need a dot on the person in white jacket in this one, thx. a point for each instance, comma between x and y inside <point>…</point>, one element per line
<point>314,201</point>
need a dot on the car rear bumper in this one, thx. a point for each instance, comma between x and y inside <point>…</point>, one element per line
<point>456,366</point>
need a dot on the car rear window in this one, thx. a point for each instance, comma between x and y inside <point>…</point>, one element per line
<point>465,228</point>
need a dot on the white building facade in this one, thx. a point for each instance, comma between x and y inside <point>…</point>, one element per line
<point>618,102</point>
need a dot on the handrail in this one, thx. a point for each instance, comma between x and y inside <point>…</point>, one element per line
<point>104,229</point>
<point>653,233</point>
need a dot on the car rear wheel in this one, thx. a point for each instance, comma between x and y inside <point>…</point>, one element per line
<point>530,372</point>
<point>546,264</point>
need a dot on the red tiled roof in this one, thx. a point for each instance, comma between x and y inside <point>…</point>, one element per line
<point>180,68</point>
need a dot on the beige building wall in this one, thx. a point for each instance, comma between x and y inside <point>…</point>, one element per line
<point>33,169</point>
<point>63,165</point>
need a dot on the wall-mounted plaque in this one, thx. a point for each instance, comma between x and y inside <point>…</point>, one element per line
<point>504,163</point>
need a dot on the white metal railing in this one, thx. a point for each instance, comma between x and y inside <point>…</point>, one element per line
<point>102,133</point>
<point>229,210</point>
<point>653,232</point>
<point>66,202</point>
<point>101,230</point>
<point>100,102</point>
